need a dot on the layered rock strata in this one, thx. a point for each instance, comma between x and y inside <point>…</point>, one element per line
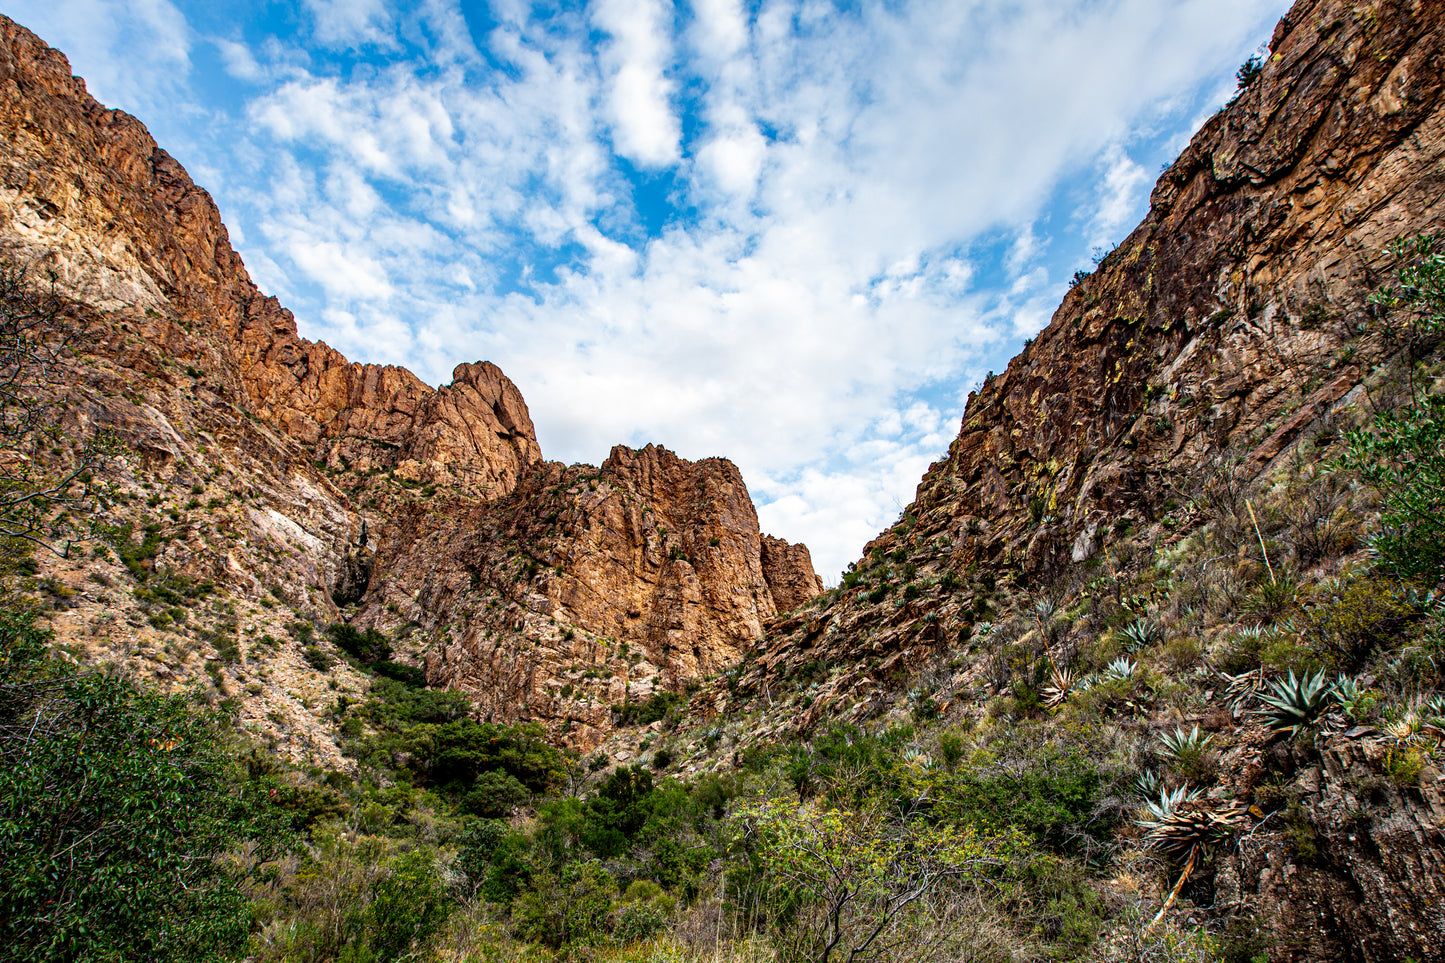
<point>588,588</point>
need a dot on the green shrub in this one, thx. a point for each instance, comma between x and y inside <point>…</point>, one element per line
<point>565,908</point>
<point>368,647</point>
<point>408,907</point>
<point>637,922</point>
<point>116,807</point>
<point>1349,622</point>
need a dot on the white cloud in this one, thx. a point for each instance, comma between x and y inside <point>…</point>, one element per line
<point>819,315</point>
<point>644,128</point>
<point>135,55</point>
<point>352,23</point>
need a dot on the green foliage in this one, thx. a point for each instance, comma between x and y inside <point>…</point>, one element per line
<point>368,647</point>
<point>1249,72</point>
<point>646,713</point>
<point>408,907</point>
<point>840,881</point>
<point>1403,453</point>
<point>1346,623</point>
<point>567,907</point>
<point>1296,704</point>
<point>116,808</point>
<point>1403,456</point>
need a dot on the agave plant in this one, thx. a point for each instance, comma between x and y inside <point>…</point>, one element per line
<point>1061,683</point>
<point>1294,705</point>
<point>1354,700</point>
<point>1240,690</point>
<point>1148,784</point>
<point>1179,743</point>
<point>1182,824</point>
<point>1140,634</point>
<point>1423,722</point>
<point>1122,669</point>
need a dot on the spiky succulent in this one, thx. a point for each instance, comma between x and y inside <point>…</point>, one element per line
<point>1061,683</point>
<point>1295,704</point>
<point>1422,723</point>
<point>1140,634</point>
<point>1181,822</point>
<point>1352,699</point>
<point>1148,784</point>
<point>1122,668</point>
<point>1240,690</point>
<point>1179,743</point>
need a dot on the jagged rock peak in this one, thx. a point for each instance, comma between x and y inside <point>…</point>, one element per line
<point>88,193</point>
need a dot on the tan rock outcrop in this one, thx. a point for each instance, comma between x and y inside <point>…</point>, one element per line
<point>86,192</point>
<point>788,569</point>
<point>613,583</point>
<point>1234,317</point>
<point>271,468</point>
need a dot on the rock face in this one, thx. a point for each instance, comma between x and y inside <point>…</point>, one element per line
<point>269,469</point>
<point>588,588</point>
<point>1233,319</point>
<point>789,571</point>
<point>1230,319</point>
<point>88,193</point>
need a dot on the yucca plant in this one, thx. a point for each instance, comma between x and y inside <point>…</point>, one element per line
<point>1294,705</point>
<point>1422,723</point>
<point>1182,745</point>
<point>1353,700</point>
<point>1140,634</point>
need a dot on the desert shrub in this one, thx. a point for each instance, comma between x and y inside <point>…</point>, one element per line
<point>116,806</point>
<point>648,712</point>
<point>1348,621</point>
<point>567,907</point>
<point>637,922</point>
<point>408,675</point>
<point>367,647</point>
<point>493,794</point>
<point>408,907</point>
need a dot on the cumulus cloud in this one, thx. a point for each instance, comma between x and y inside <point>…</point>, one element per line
<point>104,40</point>
<point>635,61</point>
<point>785,233</point>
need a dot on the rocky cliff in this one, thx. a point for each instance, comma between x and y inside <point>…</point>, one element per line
<point>1188,385</point>
<point>259,471</point>
<point>588,588</point>
<point>1233,319</point>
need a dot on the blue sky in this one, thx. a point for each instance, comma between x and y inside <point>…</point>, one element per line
<point>792,232</point>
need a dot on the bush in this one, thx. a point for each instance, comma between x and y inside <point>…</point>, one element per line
<point>565,908</point>
<point>637,922</point>
<point>116,806</point>
<point>494,794</point>
<point>408,907</point>
<point>368,647</point>
<point>1346,624</point>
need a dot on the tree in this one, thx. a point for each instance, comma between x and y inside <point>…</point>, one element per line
<point>861,887</point>
<point>33,340</point>
<point>121,812</point>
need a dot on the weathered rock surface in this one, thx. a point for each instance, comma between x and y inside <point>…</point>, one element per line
<point>87,193</point>
<point>270,468</point>
<point>587,588</point>
<point>1234,317</point>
